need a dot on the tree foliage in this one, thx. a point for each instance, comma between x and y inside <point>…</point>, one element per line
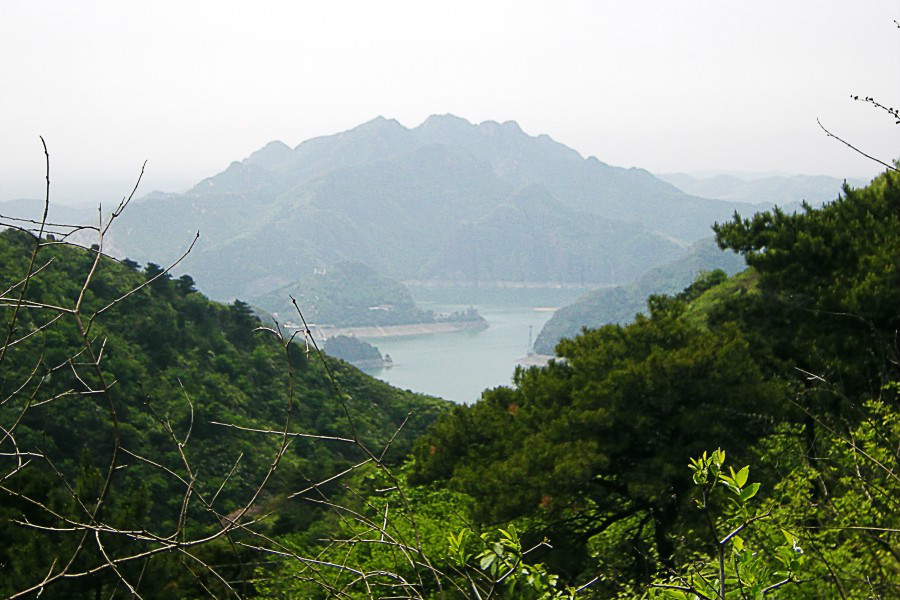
<point>781,365</point>
<point>601,436</point>
<point>181,393</point>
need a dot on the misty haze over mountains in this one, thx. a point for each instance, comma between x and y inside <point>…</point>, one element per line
<point>778,189</point>
<point>447,200</point>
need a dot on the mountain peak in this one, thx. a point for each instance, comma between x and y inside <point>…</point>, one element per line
<point>444,129</point>
<point>445,120</point>
<point>511,126</point>
<point>379,123</point>
<point>269,155</point>
<point>507,127</point>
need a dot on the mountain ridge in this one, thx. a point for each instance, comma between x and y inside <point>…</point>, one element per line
<point>779,189</point>
<point>417,203</point>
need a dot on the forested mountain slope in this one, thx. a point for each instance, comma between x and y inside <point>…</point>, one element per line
<point>168,386</point>
<point>620,304</point>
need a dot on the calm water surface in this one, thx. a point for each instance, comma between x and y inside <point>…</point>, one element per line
<point>458,366</point>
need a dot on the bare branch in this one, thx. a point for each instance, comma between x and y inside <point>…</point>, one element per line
<point>857,150</point>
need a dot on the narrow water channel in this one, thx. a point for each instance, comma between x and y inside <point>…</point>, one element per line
<point>458,366</point>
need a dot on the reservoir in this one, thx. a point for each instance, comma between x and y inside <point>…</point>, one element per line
<point>459,365</point>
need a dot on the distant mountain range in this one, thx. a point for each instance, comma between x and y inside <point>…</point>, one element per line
<point>447,200</point>
<point>783,190</point>
<point>23,208</point>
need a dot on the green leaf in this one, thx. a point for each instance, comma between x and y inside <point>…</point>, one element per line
<point>749,491</point>
<point>742,475</point>
<point>731,485</point>
<point>789,537</point>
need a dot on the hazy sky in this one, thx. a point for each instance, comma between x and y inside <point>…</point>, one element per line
<point>669,86</point>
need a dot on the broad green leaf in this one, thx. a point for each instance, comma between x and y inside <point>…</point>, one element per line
<point>741,477</point>
<point>749,491</point>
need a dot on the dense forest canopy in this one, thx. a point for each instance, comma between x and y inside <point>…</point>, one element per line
<point>781,366</point>
<point>188,381</point>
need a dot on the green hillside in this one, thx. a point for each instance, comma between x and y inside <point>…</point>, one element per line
<point>620,304</point>
<point>345,295</point>
<point>145,411</point>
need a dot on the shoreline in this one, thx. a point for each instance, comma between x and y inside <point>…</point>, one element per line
<point>371,364</point>
<point>502,284</point>
<point>375,332</point>
<point>536,360</point>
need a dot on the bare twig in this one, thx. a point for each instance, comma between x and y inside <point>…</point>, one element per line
<point>857,150</point>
